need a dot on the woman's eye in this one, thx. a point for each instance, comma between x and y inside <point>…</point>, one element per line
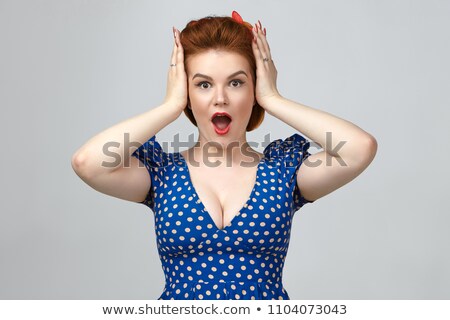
<point>201,85</point>
<point>236,83</point>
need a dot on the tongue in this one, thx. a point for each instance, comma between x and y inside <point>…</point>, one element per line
<point>221,122</point>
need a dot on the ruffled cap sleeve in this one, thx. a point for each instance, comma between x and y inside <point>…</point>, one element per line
<point>290,153</point>
<point>153,157</point>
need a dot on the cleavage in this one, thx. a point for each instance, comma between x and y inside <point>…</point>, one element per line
<point>223,192</point>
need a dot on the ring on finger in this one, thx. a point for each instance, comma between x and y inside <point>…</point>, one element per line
<point>173,65</point>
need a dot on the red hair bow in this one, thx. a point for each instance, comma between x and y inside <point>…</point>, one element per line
<point>237,17</point>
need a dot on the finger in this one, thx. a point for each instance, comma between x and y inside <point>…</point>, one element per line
<point>266,45</point>
<point>256,49</point>
<point>261,53</point>
<point>173,58</point>
<point>262,50</point>
<point>264,36</point>
<point>180,52</point>
<point>265,50</point>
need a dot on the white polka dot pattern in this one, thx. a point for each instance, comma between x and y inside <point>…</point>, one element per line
<point>245,259</point>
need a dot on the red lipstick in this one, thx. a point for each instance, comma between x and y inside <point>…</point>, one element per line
<point>223,130</point>
<point>221,114</point>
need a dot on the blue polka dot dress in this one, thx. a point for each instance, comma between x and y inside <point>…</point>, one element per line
<point>245,259</point>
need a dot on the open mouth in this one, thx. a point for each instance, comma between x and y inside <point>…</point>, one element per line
<point>221,123</point>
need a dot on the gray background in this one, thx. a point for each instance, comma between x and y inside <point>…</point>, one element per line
<point>70,69</point>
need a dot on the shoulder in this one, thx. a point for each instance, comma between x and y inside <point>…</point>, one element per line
<point>291,150</point>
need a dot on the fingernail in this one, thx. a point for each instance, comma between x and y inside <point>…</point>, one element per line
<point>265,31</point>
<point>260,26</point>
<point>173,29</point>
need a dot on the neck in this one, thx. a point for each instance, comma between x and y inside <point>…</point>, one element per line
<point>224,152</point>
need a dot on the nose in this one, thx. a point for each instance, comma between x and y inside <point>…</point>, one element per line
<point>220,97</point>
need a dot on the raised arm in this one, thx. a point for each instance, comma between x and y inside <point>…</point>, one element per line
<point>105,163</point>
<point>348,149</point>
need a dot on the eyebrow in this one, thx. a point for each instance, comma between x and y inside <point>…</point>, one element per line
<point>209,78</point>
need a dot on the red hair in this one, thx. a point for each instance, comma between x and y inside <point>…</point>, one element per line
<point>221,33</point>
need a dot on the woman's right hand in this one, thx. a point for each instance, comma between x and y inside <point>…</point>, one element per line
<point>177,92</point>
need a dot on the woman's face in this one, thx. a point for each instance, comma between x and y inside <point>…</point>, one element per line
<point>220,81</point>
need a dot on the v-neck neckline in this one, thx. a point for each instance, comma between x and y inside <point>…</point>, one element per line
<point>202,205</point>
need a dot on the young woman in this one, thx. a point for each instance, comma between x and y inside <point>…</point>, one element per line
<point>222,210</point>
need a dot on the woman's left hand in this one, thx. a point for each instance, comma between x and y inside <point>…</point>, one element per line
<point>266,72</point>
